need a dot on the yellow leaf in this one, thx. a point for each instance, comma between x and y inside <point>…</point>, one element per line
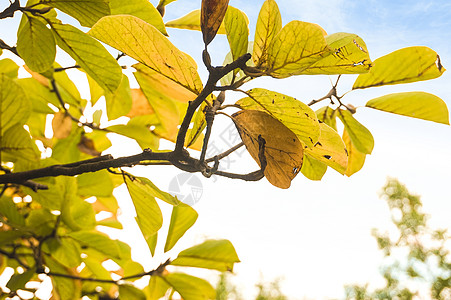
<point>119,103</point>
<point>356,158</point>
<point>330,149</point>
<point>313,169</point>
<point>164,96</point>
<point>405,65</point>
<point>349,55</point>
<point>140,105</point>
<point>327,115</point>
<point>237,31</point>
<point>142,9</point>
<point>191,21</point>
<point>146,44</point>
<point>62,125</point>
<point>212,14</point>
<point>283,151</point>
<point>360,136</point>
<point>269,23</point>
<point>296,47</point>
<point>419,105</point>
<point>87,12</point>
<point>294,114</point>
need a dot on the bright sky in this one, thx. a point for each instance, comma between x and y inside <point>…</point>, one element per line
<point>316,235</point>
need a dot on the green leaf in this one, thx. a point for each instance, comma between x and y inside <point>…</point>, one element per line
<point>157,288</point>
<point>419,105</point>
<point>64,288</point>
<point>269,23</point>
<point>87,12</point>
<point>142,9</point>
<point>191,21</point>
<point>94,90</point>
<point>360,136</point>
<point>7,237</point>
<point>294,114</point>
<point>127,291</point>
<point>82,214</point>
<point>39,95</point>
<point>146,44</point>
<point>356,159</point>
<point>98,241</point>
<point>349,56</point>
<point>182,218</point>
<point>9,211</point>
<point>154,191</point>
<point>59,192</point>
<point>190,287</point>
<point>405,65</point>
<point>148,213</point>
<point>41,221</point>
<point>297,46</point>
<point>18,281</point>
<point>97,270</point>
<point>9,67</point>
<point>237,31</point>
<point>90,55</point>
<point>17,144</point>
<point>313,169</point>
<point>64,250</point>
<point>36,45</point>
<point>212,254</point>
<point>14,104</point>
<point>330,149</point>
<point>119,103</point>
<point>66,150</point>
<point>95,184</point>
<point>142,134</point>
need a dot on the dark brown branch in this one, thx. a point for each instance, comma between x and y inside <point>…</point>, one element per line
<point>216,73</point>
<point>158,270</point>
<point>13,255</point>
<point>253,176</point>
<point>91,165</point>
<point>209,118</point>
<point>66,68</point>
<point>10,10</point>
<point>3,45</point>
<point>66,111</point>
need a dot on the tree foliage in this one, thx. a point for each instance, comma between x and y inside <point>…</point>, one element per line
<point>418,263</point>
<point>48,228</point>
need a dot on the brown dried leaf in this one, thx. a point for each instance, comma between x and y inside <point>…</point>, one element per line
<point>140,105</point>
<point>282,150</point>
<point>62,125</point>
<point>212,14</point>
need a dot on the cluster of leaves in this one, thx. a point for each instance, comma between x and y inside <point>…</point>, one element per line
<point>49,223</point>
<point>419,264</point>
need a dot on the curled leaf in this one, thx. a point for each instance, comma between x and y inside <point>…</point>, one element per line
<point>282,150</point>
<point>212,14</point>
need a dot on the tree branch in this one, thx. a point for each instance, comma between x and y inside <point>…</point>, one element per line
<point>216,73</point>
<point>86,166</point>
<point>158,270</point>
